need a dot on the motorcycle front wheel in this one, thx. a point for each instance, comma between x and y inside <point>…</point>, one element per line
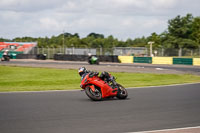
<point>7,59</point>
<point>93,95</point>
<point>122,92</point>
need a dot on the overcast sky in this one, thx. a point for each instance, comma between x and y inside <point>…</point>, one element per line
<point>121,18</point>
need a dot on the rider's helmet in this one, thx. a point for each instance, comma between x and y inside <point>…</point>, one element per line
<point>5,52</point>
<point>82,70</point>
<point>89,54</point>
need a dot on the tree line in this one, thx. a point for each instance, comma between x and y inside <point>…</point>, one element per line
<point>182,32</point>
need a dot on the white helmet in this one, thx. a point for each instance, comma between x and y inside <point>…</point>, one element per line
<point>89,54</point>
<point>82,70</point>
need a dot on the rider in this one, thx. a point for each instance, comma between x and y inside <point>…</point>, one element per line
<point>5,54</point>
<point>89,57</point>
<point>83,72</point>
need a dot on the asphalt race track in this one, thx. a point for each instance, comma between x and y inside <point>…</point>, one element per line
<point>145,109</point>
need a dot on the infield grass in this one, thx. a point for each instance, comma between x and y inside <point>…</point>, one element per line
<point>40,79</point>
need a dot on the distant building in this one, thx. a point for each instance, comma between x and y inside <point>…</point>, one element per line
<point>80,51</point>
<point>24,47</point>
<point>17,47</point>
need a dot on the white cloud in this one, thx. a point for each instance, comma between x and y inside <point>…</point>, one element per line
<point>10,16</point>
<point>49,23</point>
<point>127,3</point>
<point>164,3</point>
<point>121,18</point>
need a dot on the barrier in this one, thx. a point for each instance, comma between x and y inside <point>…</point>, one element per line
<point>162,60</point>
<point>108,58</point>
<point>196,61</point>
<point>26,56</point>
<point>143,60</point>
<point>102,58</point>
<point>70,57</point>
<point>125,59</point>
<point>183,61</point>
<point>41,56</point>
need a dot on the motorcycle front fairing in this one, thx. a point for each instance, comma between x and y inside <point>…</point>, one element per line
<point>106,90</point>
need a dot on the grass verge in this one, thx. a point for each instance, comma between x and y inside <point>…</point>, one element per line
<point>40,79</point>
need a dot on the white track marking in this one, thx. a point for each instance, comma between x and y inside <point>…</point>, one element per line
<point>164,130</point>
<point>162,85</point>
<point>81,89</point>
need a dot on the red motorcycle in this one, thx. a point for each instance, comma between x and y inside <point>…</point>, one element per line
<point>97,89</point>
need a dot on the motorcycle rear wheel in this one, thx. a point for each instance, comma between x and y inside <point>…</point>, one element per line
<point>122,92</point>
<point>97,62</point>
<point>95,96</point>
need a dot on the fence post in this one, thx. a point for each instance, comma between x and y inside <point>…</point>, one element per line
<point>37,50</point>
<point>162,52</point>
<point>180,52</point>
<point>64,49</point>
<point>33,50</point>
<point>100,50</point>
<point>48,53</point>
<point>60,51</point>
<point>42,50</point>
<point>53,52</point>
<point>191,52</point>
<point>73,50</point>
<point>151,49</point>
<point>199,50</point>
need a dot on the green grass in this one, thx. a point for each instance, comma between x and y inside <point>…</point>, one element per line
<point>37,79</point>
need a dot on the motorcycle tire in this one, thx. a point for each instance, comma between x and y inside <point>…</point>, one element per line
<point>122,92</point>
<point>89,62</point>
<point>95,96</point>
<point>97,62</point>
<point>8,59</point>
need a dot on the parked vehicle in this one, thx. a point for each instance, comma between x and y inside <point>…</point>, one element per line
<point>97,88</point>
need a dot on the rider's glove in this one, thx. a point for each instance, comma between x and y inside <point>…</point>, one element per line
<point>92,74</point>
<point>96,73</point>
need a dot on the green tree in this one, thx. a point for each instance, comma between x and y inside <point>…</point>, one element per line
<point>196,30</point>
<point>180,30</point>
<point>139,42</point>
<point>95,35</point>
<point>180,27</point>
<point>156,39</point>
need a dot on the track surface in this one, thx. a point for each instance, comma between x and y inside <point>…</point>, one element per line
<point>145,109</point>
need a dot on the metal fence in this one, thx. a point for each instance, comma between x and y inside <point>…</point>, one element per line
<point>124,51</point>
<point>177,52</point>
<point>135,51</point>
